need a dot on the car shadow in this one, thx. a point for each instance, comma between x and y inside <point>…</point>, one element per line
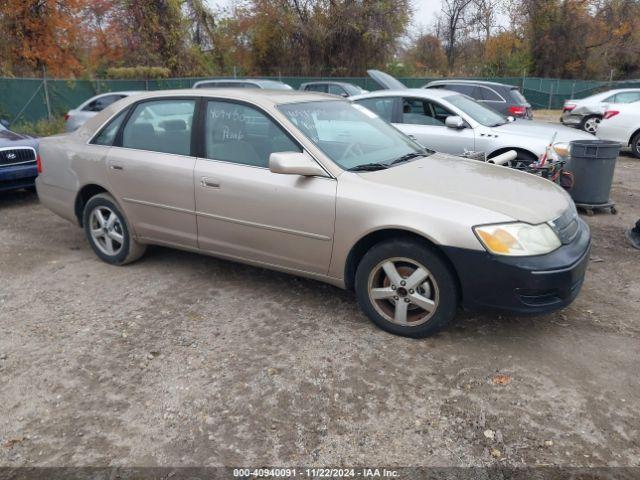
<point>13,198</point>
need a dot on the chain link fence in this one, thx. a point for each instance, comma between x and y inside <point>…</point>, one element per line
<point>33,99</point>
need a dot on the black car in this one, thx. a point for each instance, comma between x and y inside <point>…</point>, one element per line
<point>18,159</point>
<point>504,99</point>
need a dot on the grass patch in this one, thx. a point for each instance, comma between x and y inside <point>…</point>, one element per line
<point>41,128</point>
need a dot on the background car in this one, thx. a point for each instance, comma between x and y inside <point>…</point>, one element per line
<point>76,117</point>
<point>621,123</point>
<point>243,83</point>
<point>365,208</point>
<point>18,159</point>
<point>453,123</point>
<point>586,113</point>
<point>504,99</point>
<point>343,89</point>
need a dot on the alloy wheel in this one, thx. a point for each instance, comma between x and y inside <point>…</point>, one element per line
<point>403,291</point>
<point>106,230</point>
<point>591,125</point>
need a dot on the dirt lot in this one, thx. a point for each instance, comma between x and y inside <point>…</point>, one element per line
<point>181,359</point>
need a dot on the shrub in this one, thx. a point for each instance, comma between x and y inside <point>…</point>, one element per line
<point>136,73</point>
<point>41,128</point>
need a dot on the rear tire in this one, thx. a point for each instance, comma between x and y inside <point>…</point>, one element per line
<point>108,232</point>
<point>590,124</point>
<point>635,145</point>
<point>406,288</point>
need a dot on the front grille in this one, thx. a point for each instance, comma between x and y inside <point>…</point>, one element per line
<point>18,155</point>
<point>566,226</point>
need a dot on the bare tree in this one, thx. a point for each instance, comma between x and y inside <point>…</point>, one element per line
<point>454,19</point>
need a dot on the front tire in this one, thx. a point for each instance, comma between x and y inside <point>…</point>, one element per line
<point>635,145</point>
<point>590,124</point>
<point>108,233</point>
<point>406,288</point>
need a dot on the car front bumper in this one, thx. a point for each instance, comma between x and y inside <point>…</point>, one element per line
<point>18,176</point>
<point>523,285</point>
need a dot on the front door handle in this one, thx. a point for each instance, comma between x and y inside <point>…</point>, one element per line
<point>209,182</point>
<point>116,166</point>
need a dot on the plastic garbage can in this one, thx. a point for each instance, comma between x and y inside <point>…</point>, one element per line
<point>592,163</point>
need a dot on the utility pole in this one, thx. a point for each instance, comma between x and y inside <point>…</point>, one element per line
<point>46,91</point>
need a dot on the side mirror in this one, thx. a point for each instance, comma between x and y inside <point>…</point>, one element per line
<point>456,122</point>
<point>4,123</point>
<point>295,163</point>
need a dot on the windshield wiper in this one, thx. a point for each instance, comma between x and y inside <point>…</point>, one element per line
<point>368,167</point>
<point>407,157</point>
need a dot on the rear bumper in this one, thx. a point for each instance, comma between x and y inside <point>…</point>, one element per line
<point>571,120</point>
<point>523,285</point>
<point>18,176</point>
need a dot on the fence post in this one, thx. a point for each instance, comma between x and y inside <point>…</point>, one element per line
<point>550,94</point>
<point>524,77</point>
<point>46,91</point>
<point>573,89</point>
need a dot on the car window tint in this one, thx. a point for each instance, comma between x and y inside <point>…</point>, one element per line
<point>610,99</point>
<point>160,126</point>
<point>627,97</point>
<point>108,133</point>
<point>489,95</point>
<point>316,88</point>
<point>383,107</point>
<point>101,103</point>
<point>241,134</point>
<point>417,111</point>
<point>466,89</point>
<point>519,97</point>
<point>336,90</point>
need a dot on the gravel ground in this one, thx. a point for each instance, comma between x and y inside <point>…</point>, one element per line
<point>186,360</point>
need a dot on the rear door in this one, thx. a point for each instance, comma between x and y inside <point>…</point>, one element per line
<point>243,209</point>
<point>150,170</point>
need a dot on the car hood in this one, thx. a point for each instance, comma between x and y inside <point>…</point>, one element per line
<point>518,195</point>
<point>13,139</point>
<point>542,130</point>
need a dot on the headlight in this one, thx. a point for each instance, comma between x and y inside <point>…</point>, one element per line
<point>518,239</point>
<point>561,149</point>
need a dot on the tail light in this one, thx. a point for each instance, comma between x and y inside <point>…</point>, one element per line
<point>610,113</point>
<point>517,111</point>
<point>66,117</point>
<point>39,163</point>
<point>568,107</point>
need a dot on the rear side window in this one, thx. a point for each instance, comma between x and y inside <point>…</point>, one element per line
<point>469,90</point>
<point>627,97</point>
<point>101,103</point>
<point>109,132</point>
<point>383,107</point>
<point>519,97</point>
<point>489,95</point>
<point>160,126</point>
<point>241,134</point>
<point>316,88</point>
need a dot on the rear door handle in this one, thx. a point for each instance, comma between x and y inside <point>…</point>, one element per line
<point>115,166</point>
<point>209,182</point>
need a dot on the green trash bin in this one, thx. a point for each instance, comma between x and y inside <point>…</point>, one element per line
<point>592,163</point>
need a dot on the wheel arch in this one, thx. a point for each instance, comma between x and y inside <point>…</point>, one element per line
<point>84,195</point>
<point>633,135</point>
<point>366,242</point>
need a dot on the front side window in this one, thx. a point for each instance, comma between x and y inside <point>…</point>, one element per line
<point>383,107</point>
<point>417,111</point>
<point>241,134</point>
<point>349,134</point>
<point>109,132</point>
<point>481,114</point>
<point>336,90</point>
<point>160,126</point>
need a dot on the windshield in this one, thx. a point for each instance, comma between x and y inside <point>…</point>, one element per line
<point>351,135</point>
<point>477,111</point>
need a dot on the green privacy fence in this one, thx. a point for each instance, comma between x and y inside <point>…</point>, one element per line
<point>32,99</point>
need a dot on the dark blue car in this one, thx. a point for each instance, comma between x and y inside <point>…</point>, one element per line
<point>18,168</point>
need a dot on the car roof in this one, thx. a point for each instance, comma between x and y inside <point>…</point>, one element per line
<point>472,82</point>
<point>124,92</point>
<point>265,98</point>
<point>434,94</point>
<point>257,81</point>
<point>333,82</point>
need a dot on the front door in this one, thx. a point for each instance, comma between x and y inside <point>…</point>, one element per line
<point>424,120</point>
<point>150,169</point>
<point>244,210</point>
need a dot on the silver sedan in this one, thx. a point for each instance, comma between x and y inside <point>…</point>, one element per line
<point>452,123</point>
